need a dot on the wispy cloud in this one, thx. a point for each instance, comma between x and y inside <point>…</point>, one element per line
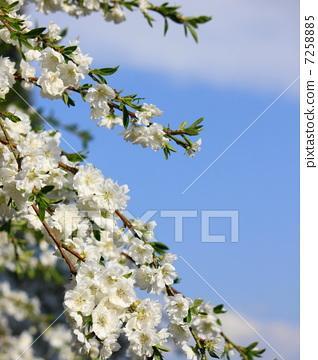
<point>249,43</point>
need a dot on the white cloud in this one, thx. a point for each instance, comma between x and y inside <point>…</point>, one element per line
<point>281,336</point>
<point>249,43</point>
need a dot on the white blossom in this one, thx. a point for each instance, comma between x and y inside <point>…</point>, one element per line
<point>110,121</point>
<point>27,70</point>
<point>123,293</point>
<point>52,85</point>
<point>147,112</point>
<point>144,5</point>
<point>54,31</point>
<point>116,15</point>
<point>98,98</point>
<point>7,72</point>
<point>70,74</point>
<point>50,59</point>
<point>147,314</point>
<point>141,252</point>
<point>105,322</point>
<point>40,188</point>
<point>87,181</point>
<point>151,136</point>
<point>142,341</point>
<point>80,299</point>
<point>195,148</point>
<point>32,55</point>
<point>111,196</point>
<point>177,308</point>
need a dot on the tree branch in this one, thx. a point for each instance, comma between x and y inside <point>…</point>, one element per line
<point>56,241</point>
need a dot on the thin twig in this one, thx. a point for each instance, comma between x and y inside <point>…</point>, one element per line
<point>56,241</point>
<point>9,144</point>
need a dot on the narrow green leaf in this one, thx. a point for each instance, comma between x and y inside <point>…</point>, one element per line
<point>166,27</point>
<point>46,189</point>
<point>125,117</point>
<point>219,309</point>
<point>67,99</point>
<point>159,245</point>
<point>74,157</point>
<point>34,32</point>
<point>42,209</point>
<point>69,50</point>
<point>193,33</point>
<point>12,117</point>
<point>104,71</point>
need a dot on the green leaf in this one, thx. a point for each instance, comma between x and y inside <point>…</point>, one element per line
<point>34,33</point>
<point>46,189</point>
<point>127,276</point>
<point>96,234</point>
<point>74,157</point>
<point>159,247</point>
<point>125,117</point>
<point>12,117</point>
<point>219,309</point>
<point>162,348</point>
<point>194,128</point>
<point>42,208</point>
<point>54,201</point>
<point>197,303</point>
<point>193,33</point>
<point>67,99</point>
<point>252,345</point>
<point>188,318</point>
<point>213,354</point>
<point>167,150</point>
<point>13,5</point>
<point>63,33</point>
<point>197,122</point>
<point>69,50</point>
<point>156,354</point>
<point>202,19</point>
<point>104,71</point>
<point>183,125</point>
<point>166,27</point>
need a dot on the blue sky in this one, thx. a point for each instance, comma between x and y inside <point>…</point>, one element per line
<point>246,58</point>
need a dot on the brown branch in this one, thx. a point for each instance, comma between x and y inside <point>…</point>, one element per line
<point>111,104</point>
<point>57,242</point>
<point>73,252</point>
<point>9,144</point>
<point>171,291</point>
<point>127,224</point>
<point>68,168</point>
<point>128,257</point>
<point>175,132</point>
<point>4,142</point>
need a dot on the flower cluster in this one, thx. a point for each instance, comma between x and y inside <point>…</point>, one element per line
<point>119,273</point>
<point>60,70</point>
<point>60,339</point>
<point>114,10</point>
<point>81,212</point>
<point>7,71</point>
<point>25,255</point>
<point>12,346</point>
<point>19,307</point>
<point>16,305</point>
